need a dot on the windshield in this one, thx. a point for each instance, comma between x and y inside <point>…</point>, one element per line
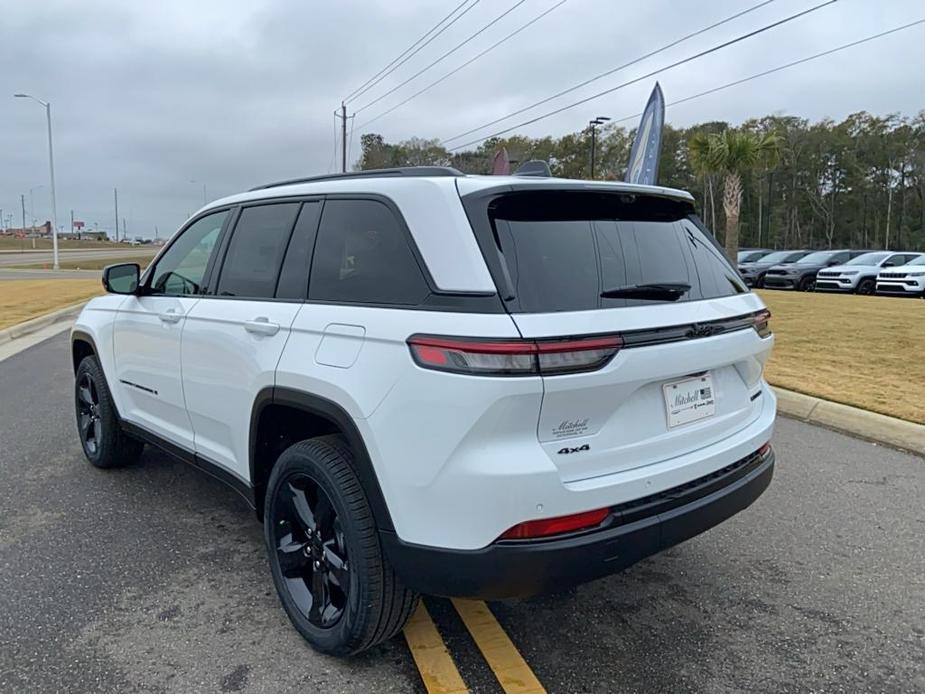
<point>575,251</point>
<point>817,258</point>
<point>869,259</point>
<point>782,257</point>
<point>751,256</point>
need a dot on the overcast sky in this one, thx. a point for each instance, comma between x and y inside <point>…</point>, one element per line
<point>160,98</point>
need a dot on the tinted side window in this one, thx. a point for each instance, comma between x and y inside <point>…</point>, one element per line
<point>362,256</point>
<point>293,279</point>
<point>181,269</point>
<point>255,253</point>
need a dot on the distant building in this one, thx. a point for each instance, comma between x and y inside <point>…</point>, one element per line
<point>37,230</point>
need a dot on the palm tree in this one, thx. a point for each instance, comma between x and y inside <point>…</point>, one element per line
<point>733,154</point>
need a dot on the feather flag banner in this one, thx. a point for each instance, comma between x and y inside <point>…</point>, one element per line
<point>643,164</point>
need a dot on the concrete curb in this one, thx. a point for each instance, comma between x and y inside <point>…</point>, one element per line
<point>30,326</point>
<point>852,420</point>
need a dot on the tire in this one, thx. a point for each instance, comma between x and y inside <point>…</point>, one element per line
<point>759,282</point>
<point>321,538</point>
<point>866,286</point>
<point>807,284</point>
<point>104,442</point>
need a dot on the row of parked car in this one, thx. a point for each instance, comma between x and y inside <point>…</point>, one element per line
<point>862,272</point>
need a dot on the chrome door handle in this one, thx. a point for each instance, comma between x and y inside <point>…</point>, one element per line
<point>170,316</point>
<point>261,326</point>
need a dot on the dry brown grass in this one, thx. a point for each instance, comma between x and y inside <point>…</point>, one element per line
<point>90,263</point>
<point>21,300</point>
<point>864,351</point>
<point>11,243</point>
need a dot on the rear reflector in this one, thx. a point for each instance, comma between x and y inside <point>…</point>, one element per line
<point>556,526</point>
<point>513,357</point>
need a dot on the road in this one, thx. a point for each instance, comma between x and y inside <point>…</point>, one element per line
<point>35,257</point>
<point>153,578</point>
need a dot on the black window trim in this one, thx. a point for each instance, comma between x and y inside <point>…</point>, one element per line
<point>212,286</point>
<point>450,301</point>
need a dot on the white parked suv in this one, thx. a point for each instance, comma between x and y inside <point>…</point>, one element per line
<point>860,274</point>
<point>426,382</point>
<point>906,280</point>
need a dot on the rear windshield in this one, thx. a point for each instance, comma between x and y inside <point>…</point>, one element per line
<point>562,250</point>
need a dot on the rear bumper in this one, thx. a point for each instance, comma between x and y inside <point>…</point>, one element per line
<point>634,530</point>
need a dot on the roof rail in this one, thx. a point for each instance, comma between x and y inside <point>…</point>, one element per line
<point>370,173</point>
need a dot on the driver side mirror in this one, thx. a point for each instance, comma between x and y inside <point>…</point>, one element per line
<point>122,278</point>
<point>889,263</point>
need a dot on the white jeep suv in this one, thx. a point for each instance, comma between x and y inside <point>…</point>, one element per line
<point>860,274</point>
<point>906,280</point>
<point>426,382</point>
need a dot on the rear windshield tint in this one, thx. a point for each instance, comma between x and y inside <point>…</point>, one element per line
<point>561,250</point>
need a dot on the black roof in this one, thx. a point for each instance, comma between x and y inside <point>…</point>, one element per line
<point>370,173</point>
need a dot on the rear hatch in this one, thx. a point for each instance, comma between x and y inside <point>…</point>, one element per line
<point>578,263</point>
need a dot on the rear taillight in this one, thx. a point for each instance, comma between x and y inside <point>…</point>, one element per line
<point>513,357</point>
<point>556,526</point>
<point>762,322</point>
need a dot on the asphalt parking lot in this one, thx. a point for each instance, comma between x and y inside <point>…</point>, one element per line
<point>153,579</point>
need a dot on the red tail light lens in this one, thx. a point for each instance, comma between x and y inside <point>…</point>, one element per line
<point>762,322</point>
<point>556,526</point>
<point>513,357</point>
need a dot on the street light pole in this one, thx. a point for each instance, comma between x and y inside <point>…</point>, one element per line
<point>51,173</point>
<point>600,120</point>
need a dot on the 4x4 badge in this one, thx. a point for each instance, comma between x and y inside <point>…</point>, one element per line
<point>567,450</point>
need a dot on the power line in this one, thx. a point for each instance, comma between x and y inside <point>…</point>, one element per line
<point>613,70</point>
<point>398,62</point>
<point>675,64</point>
<point>779,68</point>
<point>445,55</point>
<point>466,64</point>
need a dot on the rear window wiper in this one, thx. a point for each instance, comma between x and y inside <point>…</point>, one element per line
<point>664,291</point>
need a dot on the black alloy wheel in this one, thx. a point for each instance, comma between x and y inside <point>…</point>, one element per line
<point>807,284</point>
<point>89,421</point>
<point>336,586</point>
<point>866,286</point>
<point>102,438</point>
<point>312,552</point>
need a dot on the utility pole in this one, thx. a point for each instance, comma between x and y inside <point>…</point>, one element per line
<point>124,230</point>
<point>72,221</point>
<point>343,136</point>
<point>115,197</point>
<point>22,201</point>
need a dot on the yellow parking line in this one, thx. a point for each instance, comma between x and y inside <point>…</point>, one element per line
<point>511,670</point>
<point>438,671</point>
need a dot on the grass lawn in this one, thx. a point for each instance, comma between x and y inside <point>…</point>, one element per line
<point>21,300</point>
<point>91,263</point>
<point>864,351</point>
<point>10,243</point>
